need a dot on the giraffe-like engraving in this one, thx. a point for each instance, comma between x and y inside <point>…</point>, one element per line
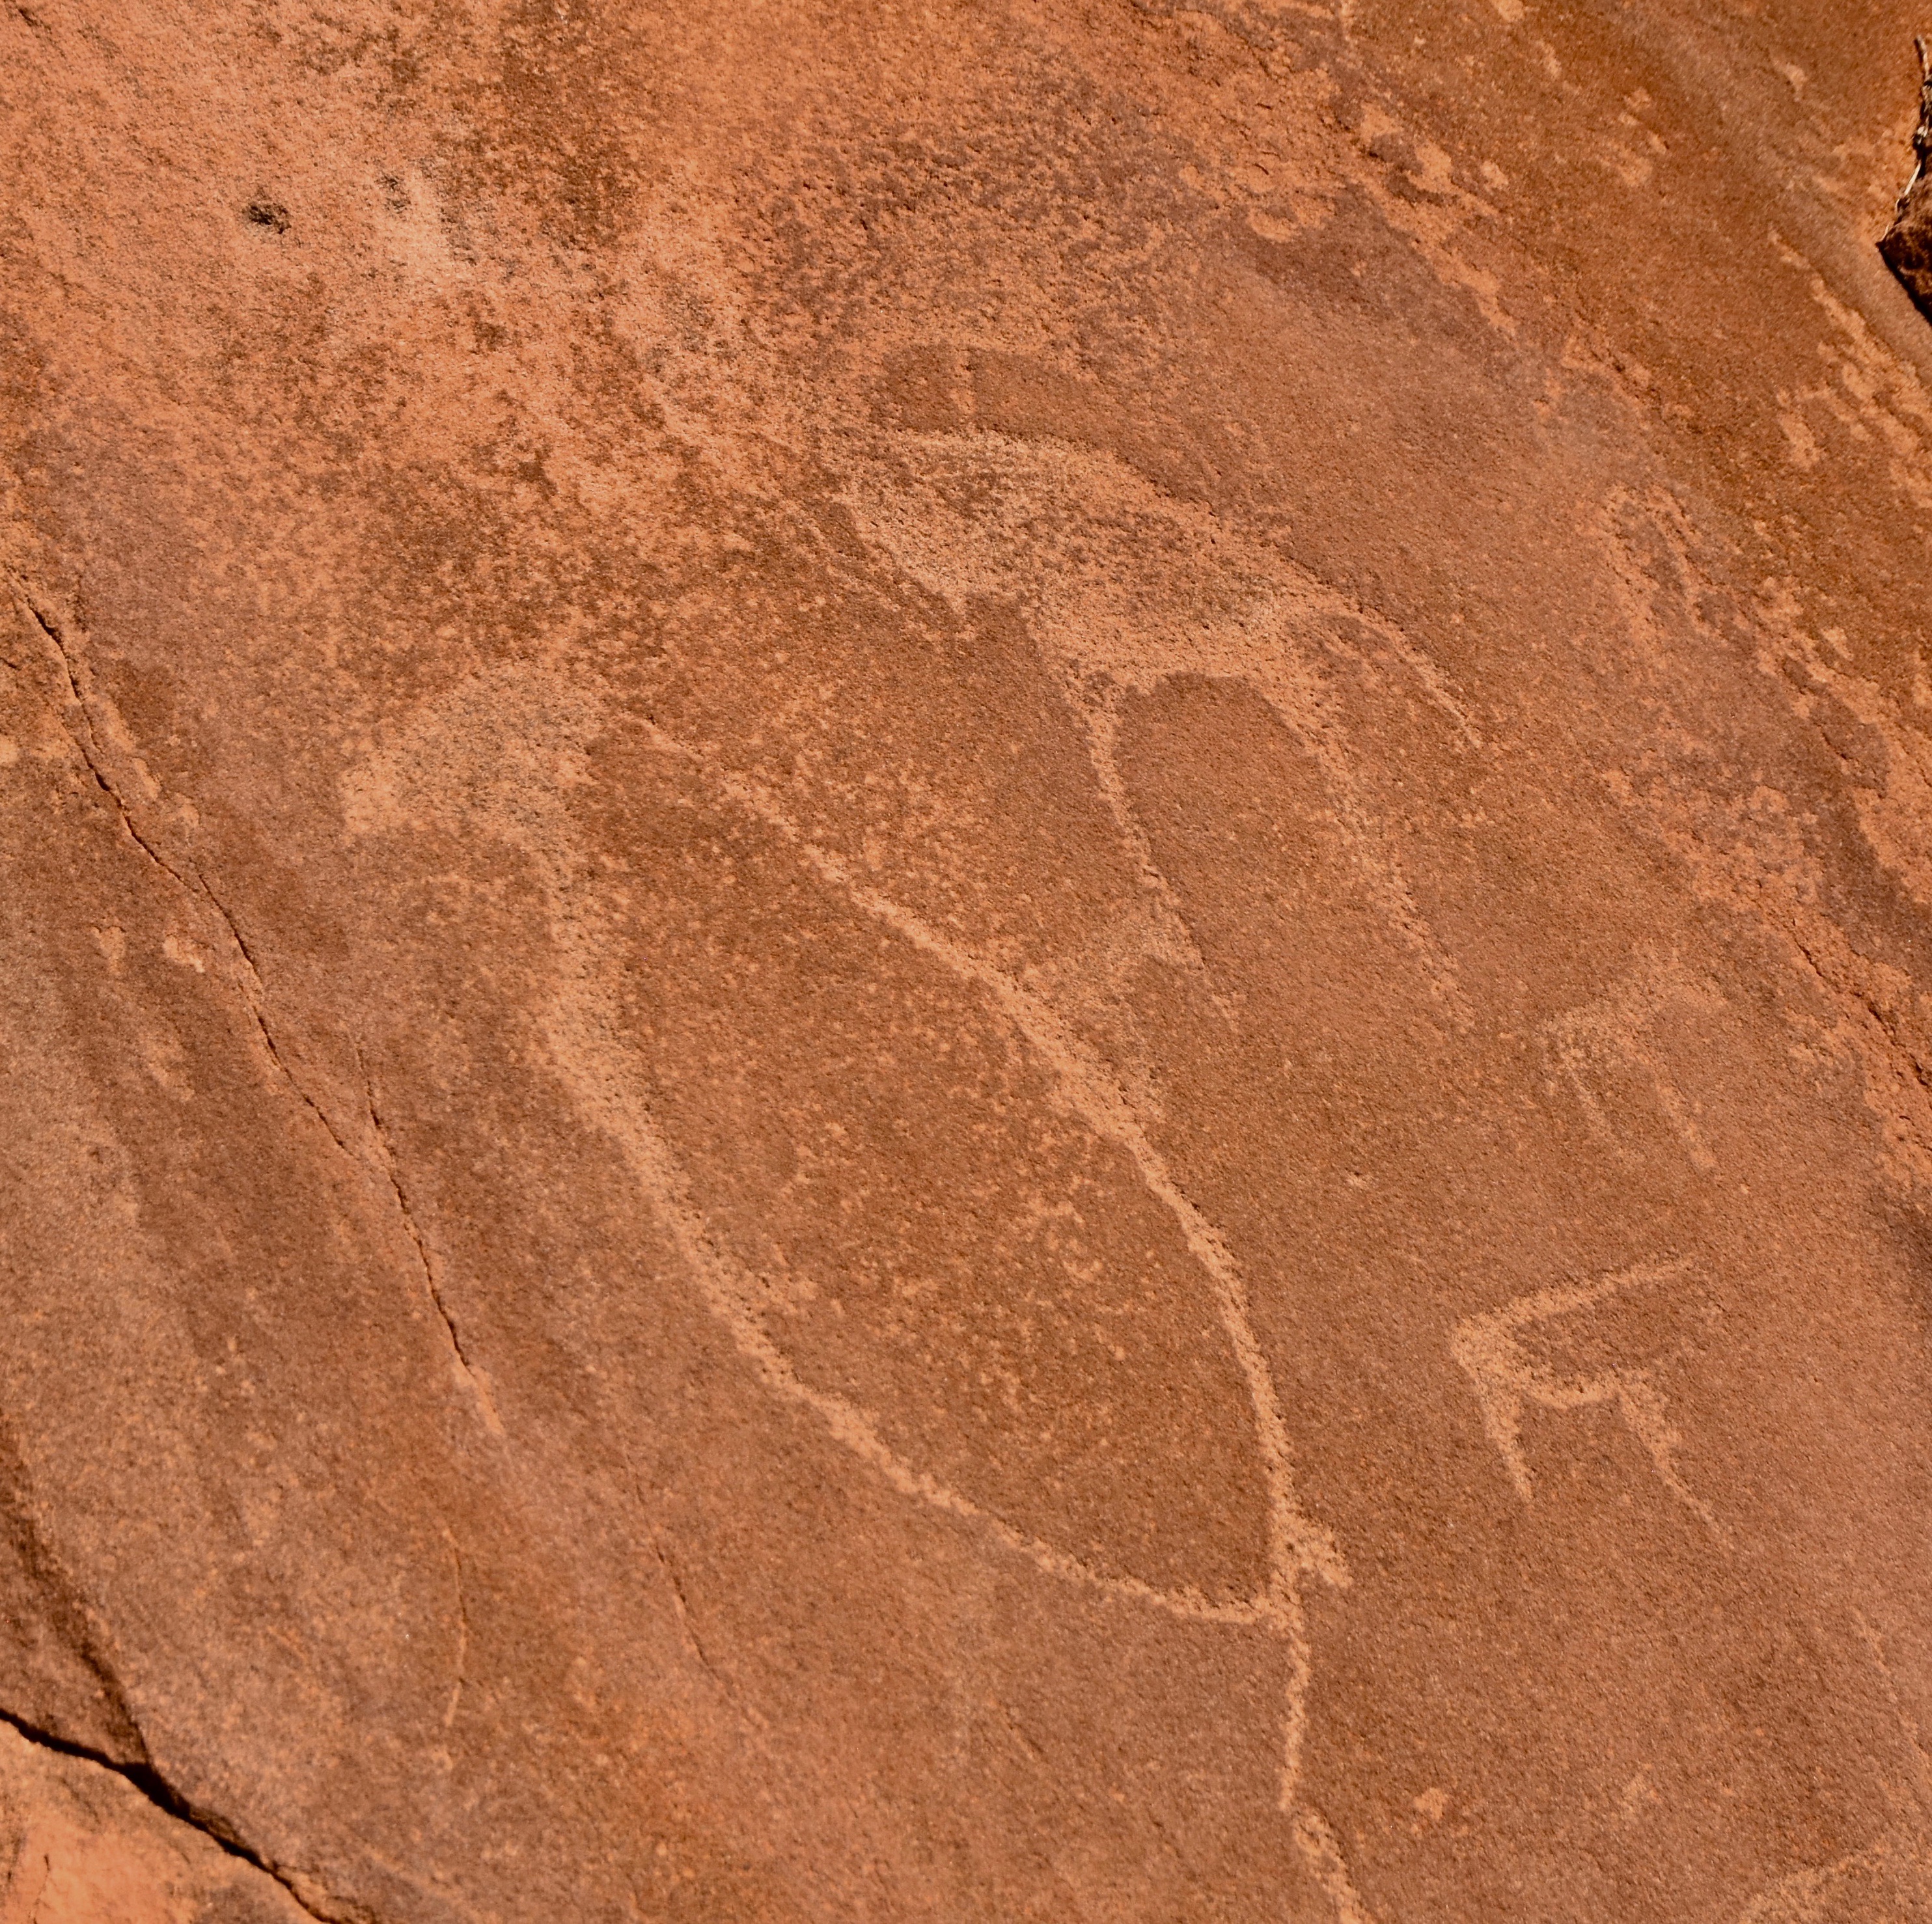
<point>501,777</point>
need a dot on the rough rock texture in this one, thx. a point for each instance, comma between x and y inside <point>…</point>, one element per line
<point>963,962</point>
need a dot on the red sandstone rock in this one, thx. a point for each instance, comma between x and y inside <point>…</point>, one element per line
<point>963,962</point>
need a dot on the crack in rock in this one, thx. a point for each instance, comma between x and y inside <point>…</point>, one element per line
<point>172,1802</point>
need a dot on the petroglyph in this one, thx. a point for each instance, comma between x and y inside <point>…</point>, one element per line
<point>1890,1878</point>
<point>1890,785</point>
<point>1003,820</point>
<point>472,756</point>
<point>1908,1725</point>
<point>1490,1350</point>
<point>1653,551</point>
<point>1754,854</point>
<point>1124,587</point>
<point>1588,1042</point>
<point>1876,399</point>
<point>1321,1851</point>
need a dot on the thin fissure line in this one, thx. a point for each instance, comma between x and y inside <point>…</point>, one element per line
<point>254,996</point>
<point>90,749</point>
<point>148,1781</point>
<point>462,1631</point>
<point>403,1209</point>
<point>387,1156</point>
<point>90,753</point>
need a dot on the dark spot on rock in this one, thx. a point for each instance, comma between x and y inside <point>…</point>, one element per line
<point>268,214</point>
<point>1907,244</point>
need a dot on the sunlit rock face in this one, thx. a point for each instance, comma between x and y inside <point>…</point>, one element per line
<point>963,962</point>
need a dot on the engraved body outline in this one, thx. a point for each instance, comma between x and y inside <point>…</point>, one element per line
<point>1296,1547</point>
<point>441,763</point>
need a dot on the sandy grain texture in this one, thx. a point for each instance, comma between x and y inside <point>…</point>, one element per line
<point>963,962</point>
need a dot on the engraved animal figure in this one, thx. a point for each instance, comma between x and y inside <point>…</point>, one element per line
<point>1123,587</point>
<point>1491,1353</point>
<point>500,750</point>
<point>1588,1042</point>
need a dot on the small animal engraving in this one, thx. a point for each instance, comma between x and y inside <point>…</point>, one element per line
<point>1506,1378</point>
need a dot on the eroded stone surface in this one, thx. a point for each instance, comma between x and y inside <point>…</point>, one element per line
<point>963,962</point>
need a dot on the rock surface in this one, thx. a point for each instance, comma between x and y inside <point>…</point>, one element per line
<point>964,961</point>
